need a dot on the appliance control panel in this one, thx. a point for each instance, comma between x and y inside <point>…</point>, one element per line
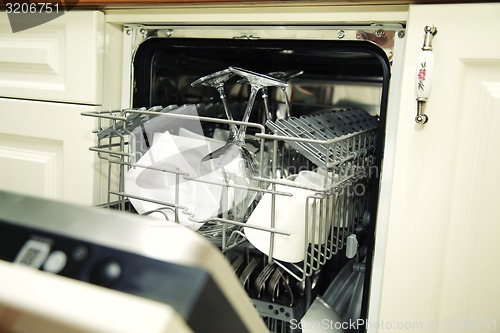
<point>190,290</point>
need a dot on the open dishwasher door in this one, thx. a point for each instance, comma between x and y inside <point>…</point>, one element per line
<point>103,258</point>
<point>48,303</point>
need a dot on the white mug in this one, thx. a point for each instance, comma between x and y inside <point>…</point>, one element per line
<point>318,225</point>
<point>291,206</point>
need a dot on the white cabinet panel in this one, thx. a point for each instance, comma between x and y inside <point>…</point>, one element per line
<point>36,162</point>
<point>440,268</point>
<point>60,60</point>
<point>44,150</point>
<point>470,247</point>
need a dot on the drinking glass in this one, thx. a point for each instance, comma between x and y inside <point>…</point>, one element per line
<point>232,164</point>
<point>216,80</point>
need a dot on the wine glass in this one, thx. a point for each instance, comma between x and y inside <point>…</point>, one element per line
<point>286,77</point>
<point>233,164</point>
<point>283,155</point>
<point>216,80</point>
<point>257,81</point>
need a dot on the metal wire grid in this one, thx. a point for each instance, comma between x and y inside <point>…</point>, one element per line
<point>338,207</point>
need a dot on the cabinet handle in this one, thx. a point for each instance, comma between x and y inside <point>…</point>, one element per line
<point>425,71</point>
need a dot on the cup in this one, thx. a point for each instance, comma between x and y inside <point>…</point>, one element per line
<point>318,225</point>
<point>295,208</point>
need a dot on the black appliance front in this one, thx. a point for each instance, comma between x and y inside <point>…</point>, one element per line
<point>164,68</point>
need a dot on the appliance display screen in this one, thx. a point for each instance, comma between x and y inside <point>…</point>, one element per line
<point>33,253</point>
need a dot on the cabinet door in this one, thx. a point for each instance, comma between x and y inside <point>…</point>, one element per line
<point>60,60</point>
<point>440,270</point>
<point>44,150</point>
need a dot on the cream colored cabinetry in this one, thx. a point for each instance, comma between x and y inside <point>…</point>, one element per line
<point>436,259</point>
<point>48,75</point>
<point>60,60</point>
<point>44,150</point>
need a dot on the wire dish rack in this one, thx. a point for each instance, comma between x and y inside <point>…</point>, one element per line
<point>298,226</point>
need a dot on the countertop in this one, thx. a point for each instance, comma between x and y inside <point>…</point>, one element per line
<point>142,3</point>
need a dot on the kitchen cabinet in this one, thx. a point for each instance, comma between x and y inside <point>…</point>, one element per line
<point>44,150</point>
<point>60,60</point>
<point>48,75</point>
<point>436,266</point>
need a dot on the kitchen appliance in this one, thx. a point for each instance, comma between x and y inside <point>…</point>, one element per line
<point>67,268</point>
<point>336,128</point>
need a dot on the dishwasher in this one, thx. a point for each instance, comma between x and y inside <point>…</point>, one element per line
<point>267,141</point>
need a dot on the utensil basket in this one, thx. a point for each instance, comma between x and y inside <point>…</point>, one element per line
<point>344,159</point>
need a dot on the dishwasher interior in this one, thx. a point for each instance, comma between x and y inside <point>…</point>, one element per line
<point>308,104</point>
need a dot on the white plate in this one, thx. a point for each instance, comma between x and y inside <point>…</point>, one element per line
<point>170,152</point>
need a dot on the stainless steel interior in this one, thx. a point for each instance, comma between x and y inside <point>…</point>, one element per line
<point>345,76</point>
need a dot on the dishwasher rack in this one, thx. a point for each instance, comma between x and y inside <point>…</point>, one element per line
<point>333,212</point>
